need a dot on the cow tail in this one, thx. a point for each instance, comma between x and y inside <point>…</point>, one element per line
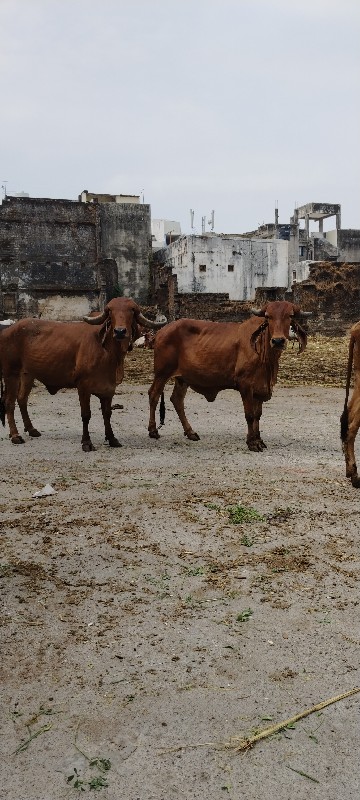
<point>162,410</point>
<point>2,404</point>
<point>344,419</point>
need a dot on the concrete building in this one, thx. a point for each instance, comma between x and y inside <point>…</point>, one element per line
<point>273,255</point>
<point>61,258</point>
<point>218,263</point>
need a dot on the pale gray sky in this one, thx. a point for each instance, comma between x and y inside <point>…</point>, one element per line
<point>232,105</point>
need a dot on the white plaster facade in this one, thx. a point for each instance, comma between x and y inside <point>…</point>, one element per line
<point>233,264</point>
<point>60,307</point>
<point>160,228</point>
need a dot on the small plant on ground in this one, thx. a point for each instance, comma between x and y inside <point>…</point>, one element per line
<point>246,540</point>
<point>91,783</point>
<point>245,615</point>
<point>240,514</point>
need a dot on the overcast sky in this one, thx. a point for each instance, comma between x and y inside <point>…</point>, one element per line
<point>231,105</point>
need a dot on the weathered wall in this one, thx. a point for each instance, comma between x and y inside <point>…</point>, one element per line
<point>331,292</point>
<point>54,250</point>
<point>126,237</point>
<point>48,251</point>
<point>348,242</point>
<point>214,263</point>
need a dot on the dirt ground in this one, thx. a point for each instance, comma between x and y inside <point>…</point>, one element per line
<point>173,597</point>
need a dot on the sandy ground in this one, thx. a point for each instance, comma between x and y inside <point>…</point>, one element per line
<point>146,630</point>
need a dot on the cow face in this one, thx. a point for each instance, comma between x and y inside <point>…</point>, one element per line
<point>279,316</point>
<point>122,318</point>
<point>280,320</point>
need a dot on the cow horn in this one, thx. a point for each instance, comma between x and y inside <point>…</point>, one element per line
<point>305,313</point>
<point>149,323</point>
<point>98,320</point>
<point>258,312</point>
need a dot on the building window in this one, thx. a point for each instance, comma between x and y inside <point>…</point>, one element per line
<point>301,250</point>
<point>202,267</point>
<point>9,303</point>
<point>230,267</point>
<point>294,275</point>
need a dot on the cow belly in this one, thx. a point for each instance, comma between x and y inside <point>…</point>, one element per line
<point>209,394</point>
<point>53,389</point>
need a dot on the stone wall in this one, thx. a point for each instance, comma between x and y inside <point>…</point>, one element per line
<point>48,258</point>
<point>125,232</point>
<point>60,258</point>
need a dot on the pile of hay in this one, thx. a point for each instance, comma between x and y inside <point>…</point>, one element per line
<point>323,363</point>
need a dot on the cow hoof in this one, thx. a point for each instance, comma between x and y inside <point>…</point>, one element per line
<point>154,434</point>
<point>34,433</point>
<point>355,482</point>
<point>88,447</point>
<point>194,437</point>
<point>114,442</point>
<point>17,439</point>
<point>256,446</point>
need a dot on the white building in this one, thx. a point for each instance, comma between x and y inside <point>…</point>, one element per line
<point>228,263</point>
<point>163,230</point>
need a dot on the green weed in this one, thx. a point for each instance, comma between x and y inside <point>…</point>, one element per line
<point>243,514</point>
<point>245,615</point>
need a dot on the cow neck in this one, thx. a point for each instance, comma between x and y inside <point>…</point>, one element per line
<point>113,350</point>
<point>269,358</point>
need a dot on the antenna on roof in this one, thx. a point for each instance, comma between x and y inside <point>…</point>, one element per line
<point>4,187</point>
<point>211,220</point>
<point>192,218</point>
<point>203,220</point>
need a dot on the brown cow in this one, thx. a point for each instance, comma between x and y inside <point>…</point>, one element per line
<point>212,356</point>
<point>88,356</point>
<point>350,418</point>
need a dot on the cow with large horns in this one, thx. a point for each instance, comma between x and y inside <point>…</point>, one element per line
<point>350,418</point>
<point>212,356</point>
<point>88,356</point>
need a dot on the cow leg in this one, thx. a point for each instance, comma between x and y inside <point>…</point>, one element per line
<point>84,398</point>
<point>156,388</point>
<point>106,412</point>
<point>26,385</point>
<point>177,399</point>
<point>11,392</point>
<point>253,411</point>
<point>349,441</point>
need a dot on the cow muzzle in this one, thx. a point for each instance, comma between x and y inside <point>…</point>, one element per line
<point>120,333</point>
<point>278,342</point>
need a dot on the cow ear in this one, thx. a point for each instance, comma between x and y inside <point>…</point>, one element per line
<point>301,335</point>
<point>104,331</point>
<point>255,335</point>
